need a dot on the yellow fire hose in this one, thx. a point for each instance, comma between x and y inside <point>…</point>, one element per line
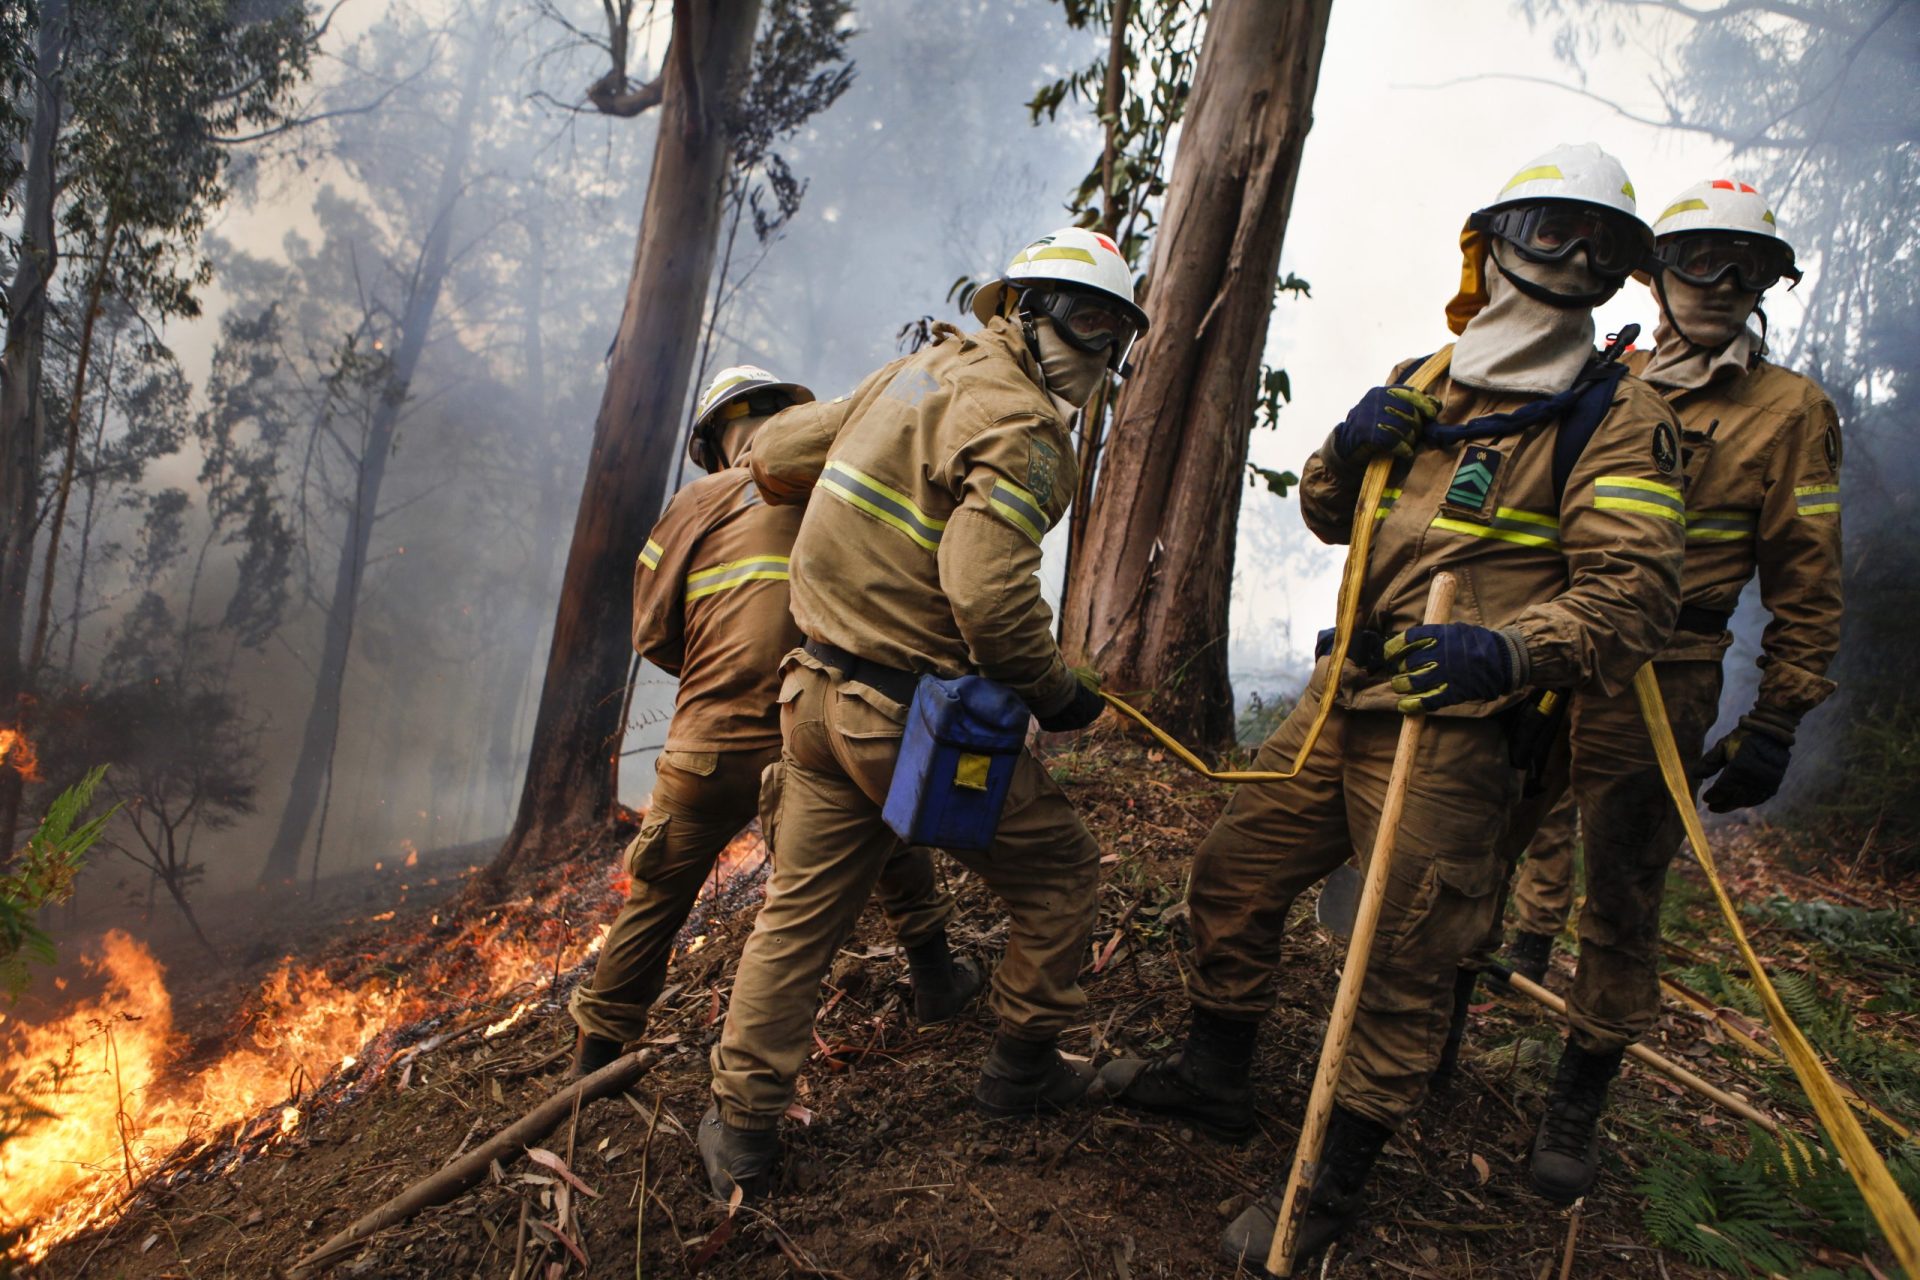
<point>1372,488</point>
<point>1889,1207</point>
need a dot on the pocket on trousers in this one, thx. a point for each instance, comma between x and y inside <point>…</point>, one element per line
<point>648,850</point>
<point>701,764</point>
<point>1449,916</point>
<point>855,717</point>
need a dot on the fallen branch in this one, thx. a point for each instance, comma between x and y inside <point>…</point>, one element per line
<point>469,1170</point>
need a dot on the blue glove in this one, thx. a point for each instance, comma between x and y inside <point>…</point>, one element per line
<point>1387,420</point>
<point>1443,663</point>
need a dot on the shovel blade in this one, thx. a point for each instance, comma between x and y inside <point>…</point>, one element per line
<point>1339,900</point>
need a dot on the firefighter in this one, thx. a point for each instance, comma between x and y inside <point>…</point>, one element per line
<point>1567,554</point>
<point>932,486</point>
<point>710,605</point>
<point>1761,453</point>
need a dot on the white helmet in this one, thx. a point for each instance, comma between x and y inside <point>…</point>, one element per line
<point>1723,227</point>
<point>730,386</point>
<point>1571,171</point>
<point>1073,256</point>
<point>1719,204</point>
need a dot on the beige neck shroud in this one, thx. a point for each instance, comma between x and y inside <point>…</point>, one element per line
<point>1681,364</point>
<point>1071,374</point>
<point>1519,344</point>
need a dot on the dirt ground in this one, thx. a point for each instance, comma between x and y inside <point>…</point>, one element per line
<point>890,1173</point>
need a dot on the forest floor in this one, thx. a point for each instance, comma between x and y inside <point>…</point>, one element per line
<point>890,1173</point>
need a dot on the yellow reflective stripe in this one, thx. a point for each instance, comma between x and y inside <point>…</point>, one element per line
<point>1817,499</point>
<point>734,573</point>
<point>1643,497</point>
<point>1724,524</point>
<point>1682,206</point>
<point>1498,534</point>
<point>1018,506</point>
<point>651,553</point>
<point>1054,253</point>
<point>1527,517</point>
<point>1531,175</point>
<point>1387,498</point>
<point>884,503</point>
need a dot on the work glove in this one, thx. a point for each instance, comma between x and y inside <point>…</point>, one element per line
<point>1440,664</point>
<point>1751,763</point>
<point>1082,709</point>
<point>1387,420</point>
<point>1365,649</point>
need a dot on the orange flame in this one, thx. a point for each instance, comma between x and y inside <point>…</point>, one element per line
<point>16,750</point>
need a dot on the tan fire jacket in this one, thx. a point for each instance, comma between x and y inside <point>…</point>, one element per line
<point>933,484</point>
<point>1762,456</point>
<point>1591,582</point>
<point>710,605</point>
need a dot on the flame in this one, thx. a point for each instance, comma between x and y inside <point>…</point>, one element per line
<point>16,749</point>
<point>413,854</point>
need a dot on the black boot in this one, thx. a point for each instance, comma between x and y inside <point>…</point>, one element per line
<point>1206,1083</point>
<point>1463,984</point>
<point>1346,1158</point>
<point>737,1157</point>
<point>1566,1151</point>
<point>590,1053</point>
<point>1024,1077</point>
<point>942,984</point>
<point>1530,955</point>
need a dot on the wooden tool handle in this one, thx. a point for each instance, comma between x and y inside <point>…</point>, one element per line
<point>1333,1050</point>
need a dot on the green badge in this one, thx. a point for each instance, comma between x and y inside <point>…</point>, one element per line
<point>1043,464</point>
<point>1473,478</point>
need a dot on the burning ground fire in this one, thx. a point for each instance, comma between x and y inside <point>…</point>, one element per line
<point>121,1103</point>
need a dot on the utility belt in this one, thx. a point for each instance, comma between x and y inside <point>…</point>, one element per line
<point>958,750</point>
<point>891,682</point>
<point>1699,621</point>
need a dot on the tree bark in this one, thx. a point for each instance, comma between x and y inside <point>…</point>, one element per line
<point>1150,608</point>
<point>570,779</point>
<point>22,420</point>
<point>312,769</point>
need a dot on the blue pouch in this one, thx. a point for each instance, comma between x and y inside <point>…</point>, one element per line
<point>962,740</point>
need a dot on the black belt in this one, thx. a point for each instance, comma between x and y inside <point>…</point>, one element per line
<point>890,681</point>
<point>1706,622</point>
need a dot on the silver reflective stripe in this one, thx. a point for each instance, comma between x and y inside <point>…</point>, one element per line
<point>883,503</point>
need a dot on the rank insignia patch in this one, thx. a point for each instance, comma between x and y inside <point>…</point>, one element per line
<point>1473,478</point>
<point>1666,449</point>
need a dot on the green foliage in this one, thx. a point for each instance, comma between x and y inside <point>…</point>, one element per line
<point>44,873</point>
<point>1851,933</point>
<point>1763,1213</point>
<point>1260,717</point>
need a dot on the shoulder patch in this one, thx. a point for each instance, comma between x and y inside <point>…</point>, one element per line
<point>1666,448</point>
<point>1832,444</point>
<point>911,385</point>
<point>1043,467</point>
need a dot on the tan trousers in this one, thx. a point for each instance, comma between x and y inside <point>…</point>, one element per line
<point>1277,839</point>
<point>701,801</point>
<point>839,755</point>
<point>1543,883</point>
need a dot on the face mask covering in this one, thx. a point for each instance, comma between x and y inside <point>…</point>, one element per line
<point>1070,373</point>
<point>1703,334</point>
<point>1518,343</point>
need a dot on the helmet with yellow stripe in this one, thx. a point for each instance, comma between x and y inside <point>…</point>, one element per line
<point>1573,198</point>
<point>737,391</point>
<point>1720,227</point>
<point>1079,279</point>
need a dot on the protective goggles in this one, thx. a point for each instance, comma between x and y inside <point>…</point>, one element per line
<point>1088,321</point>
<point>760,404</point>
<point>1705,258</point>
<point>1616,244</point>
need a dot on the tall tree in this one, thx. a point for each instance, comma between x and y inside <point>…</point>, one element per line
<point>573,767</point>
<point>1148,607</point>
<point>393,372</point>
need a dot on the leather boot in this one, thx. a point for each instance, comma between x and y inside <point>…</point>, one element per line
<point>1206,1083</point>
<point>737,1157</point>
<point>1347,1156</point>
<point>1449,1064</point>
<point>943,985</point>
<point>590,1053</point>
<point>1025,1077</point>
<point>1530,955</point>
<point>1566,1151</point>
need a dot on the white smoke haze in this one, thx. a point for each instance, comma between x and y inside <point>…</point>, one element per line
<point>926,170</point>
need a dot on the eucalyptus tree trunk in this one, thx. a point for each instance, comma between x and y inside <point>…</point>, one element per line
<point>572,770</point>
<point>1149,609</point>
<point>22,416</point>
<point>311,771</point>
